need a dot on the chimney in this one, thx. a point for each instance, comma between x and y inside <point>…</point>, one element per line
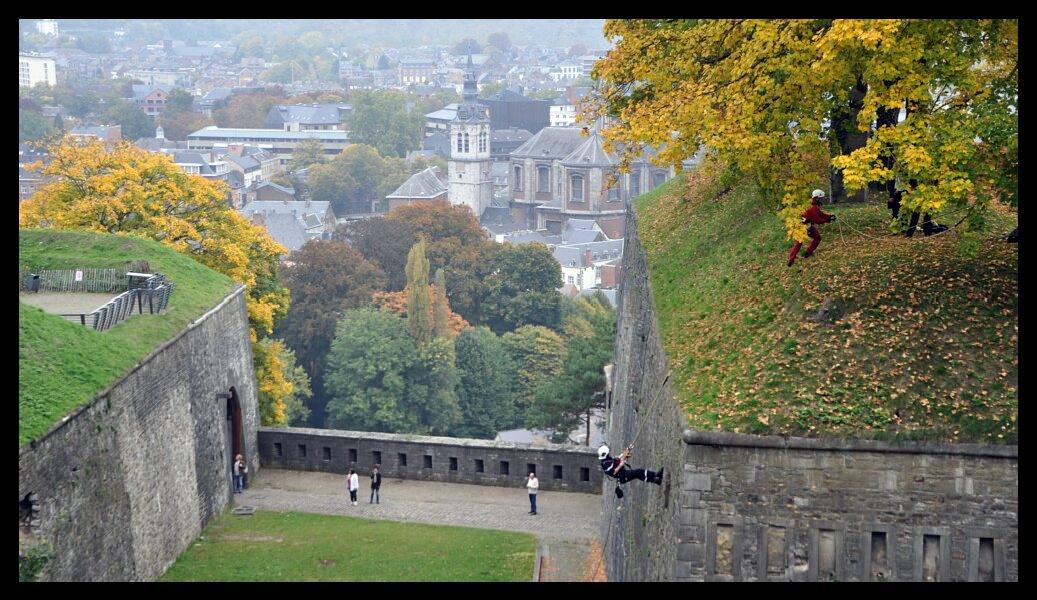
<point>587,258</point>
<point>235,149</point>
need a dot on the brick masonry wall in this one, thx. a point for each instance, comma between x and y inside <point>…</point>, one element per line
<point>336,451</point>
<point>744,508</point>
<point>126,483</point>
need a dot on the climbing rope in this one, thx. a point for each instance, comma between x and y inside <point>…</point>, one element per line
<point>608,531</point>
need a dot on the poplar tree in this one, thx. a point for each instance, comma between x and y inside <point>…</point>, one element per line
<point>440,308</point>
<point>419,318</point>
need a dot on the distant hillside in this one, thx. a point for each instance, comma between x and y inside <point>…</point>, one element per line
<point>876,336</point>
<point>62,365</point>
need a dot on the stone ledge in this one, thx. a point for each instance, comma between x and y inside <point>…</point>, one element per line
<point>723,438</point>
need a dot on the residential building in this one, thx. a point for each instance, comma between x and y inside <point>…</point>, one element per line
<point>268,191</point>
<point>439,121</point>
<point>308,117</point>
<point>291,223</point>
<point>28,182</point>
<point>214,99</point>
<point>510,109</point>
<point>170,78</point>
<point>563,113</point>
<point>428,184</point>
<point>566,71</point>
<point>415,70</point>
<point>193,162</point>
<point>277,141</point>
<point>105,133</point>
<point>36,69</point>
<point>469,164</point>
<point>582,263</point>
<point>151,98</point>
<point>159,142</point>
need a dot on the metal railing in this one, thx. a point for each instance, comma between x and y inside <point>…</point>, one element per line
<point>153,292</point>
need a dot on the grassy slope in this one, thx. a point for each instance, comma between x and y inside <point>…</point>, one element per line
<point>62,365</point>
<point>922,344</point>
<point>277,546</point>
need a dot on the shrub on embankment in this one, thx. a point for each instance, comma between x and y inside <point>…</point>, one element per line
<point>876,336</point>
<point>63,365</point>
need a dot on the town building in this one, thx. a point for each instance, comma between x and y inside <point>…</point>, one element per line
<point>415,70</point>
<point>428,184</point>
<point>277,141</point>
<point>106,133</point>
<point>563,113</point>
<point>308,117</point>
<point>151,98</point>
<point>47,27</point>
<point>469,164</point>
<point>510,109</point>
<point>36,69</point>
<point>291,223</point>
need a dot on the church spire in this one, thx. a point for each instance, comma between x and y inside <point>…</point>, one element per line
<point>470,92</point>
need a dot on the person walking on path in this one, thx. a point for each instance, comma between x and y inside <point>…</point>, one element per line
<point>812,216</point>
<point>376,484</point>
<point>532,484</point>
<point>354,485</point>
<point>240,468</point>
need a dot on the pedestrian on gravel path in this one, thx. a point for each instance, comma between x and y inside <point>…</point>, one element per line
<point>376,484</point>
<point>532,484</point>
<point>354,485</point>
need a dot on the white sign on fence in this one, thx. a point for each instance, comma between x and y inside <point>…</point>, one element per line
<point>79,276</point>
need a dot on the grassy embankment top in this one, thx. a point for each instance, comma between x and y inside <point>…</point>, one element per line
<point>63,365</point>
<point>917,342</point>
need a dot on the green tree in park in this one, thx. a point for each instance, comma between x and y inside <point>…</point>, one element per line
<point>179,100</point>
<point>355,178</point>
<point>523,289</point>
<point>134,123</point>
<point>440,308</point>
<point>32,126</point>
<point>537,353</point>
<point>307,153</point>
<point>486,384</point>
<point>566,401</point>
<point>383,119</point>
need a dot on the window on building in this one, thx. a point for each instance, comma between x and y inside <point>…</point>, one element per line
<point>658,178</point>
<point>302,450</point>
<point>428,461</point>
<point>504,467</point>
<point>402,458</point>
<point>466,142</point>
<point>327,453</point>
<point>614,192</point>
<point>543,179</point>
<point>482,141</point>
<point>453,463</point>
<point>576,191</point>
<point>460,138</point>
<point>635,184</point>
<point>277,450</point>
<point>557,471</point>
<point>531,468</point>
<point>352,455</point>
<point>518,179</point>
<point>376,457</point>
<point>480,467</point>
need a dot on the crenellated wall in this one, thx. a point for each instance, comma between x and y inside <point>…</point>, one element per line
<point>455,460</point>
<point>123,485</point>
<point>740,507</point>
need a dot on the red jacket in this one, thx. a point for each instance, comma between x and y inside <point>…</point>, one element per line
<point>814,214</point>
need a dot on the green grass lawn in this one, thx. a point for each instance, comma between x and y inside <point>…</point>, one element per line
<point>289,546</point>
<point>920,342</point>
<point>63,365</point>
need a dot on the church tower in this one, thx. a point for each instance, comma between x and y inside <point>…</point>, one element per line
<point>468,170</point>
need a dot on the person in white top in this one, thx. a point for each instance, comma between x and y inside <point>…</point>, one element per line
<point>531,485</point>
<point>354,485</point>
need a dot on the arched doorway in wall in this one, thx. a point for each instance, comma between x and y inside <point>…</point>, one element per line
<point>235,434</point>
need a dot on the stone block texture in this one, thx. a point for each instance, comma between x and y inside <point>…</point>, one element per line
<point>431,458</point>
<point>765,508</point>
<point>123,485</point>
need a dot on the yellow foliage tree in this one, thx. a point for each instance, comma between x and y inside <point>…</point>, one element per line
<point>126,190</point>
<point>761,95</point>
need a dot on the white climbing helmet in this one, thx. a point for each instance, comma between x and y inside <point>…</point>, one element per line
<point>603,451</point>
<point>817,194</point>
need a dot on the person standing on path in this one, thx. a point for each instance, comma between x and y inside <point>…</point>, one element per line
<point>240,468</point>
<point>532,485</point>
<point>376,484</point>
<point>354,485</point>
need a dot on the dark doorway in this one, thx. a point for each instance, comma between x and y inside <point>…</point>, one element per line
<point>235,434</point>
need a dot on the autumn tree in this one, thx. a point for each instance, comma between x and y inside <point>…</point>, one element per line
<point>126,190</point>
<point>763,95</point>
<point>382,241</point>
<point>419,304</point>
<point>247,110</point>
<point>179,100</point>
<point>177,125</point>
<point>325,279</point>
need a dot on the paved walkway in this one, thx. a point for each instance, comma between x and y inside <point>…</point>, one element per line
<point>566,523</point>
<point>66,302</point>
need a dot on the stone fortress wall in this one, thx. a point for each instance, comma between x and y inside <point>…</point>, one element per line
<point>746,508</point>
<point>123,485</point>
<point>453,460</point>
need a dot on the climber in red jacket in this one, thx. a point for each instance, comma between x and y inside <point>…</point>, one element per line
<point>812,216</point>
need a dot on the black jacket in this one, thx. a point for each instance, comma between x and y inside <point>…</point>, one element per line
<point>376,481</point>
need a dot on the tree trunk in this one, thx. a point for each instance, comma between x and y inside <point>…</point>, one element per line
<point>588,441</point>
<point>844,123</point>
<point>888,117</point>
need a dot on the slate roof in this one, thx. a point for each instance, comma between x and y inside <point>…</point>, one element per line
<point>157,144</point>
<point>510,134</point>
<point>423,184</point>
<point>447,113</point>
<point>141,91</point>
<point>286,190</point>
<point>522,237</point>
<point>550,142</point>
<point>190,157</point>
<point>245,162</point>
<point>288,230</point>
<point>590,153</point>
<point>602,251</point>
<point>269,207</point>
<point>236,179</point>
<point>308,114</point>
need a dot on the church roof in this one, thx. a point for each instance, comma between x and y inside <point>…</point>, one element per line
<point>423,184</point>
<point>551,143</point>
<point>590,153</point>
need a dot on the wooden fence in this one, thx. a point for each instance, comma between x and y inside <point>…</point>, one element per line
<point>74,280</point>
